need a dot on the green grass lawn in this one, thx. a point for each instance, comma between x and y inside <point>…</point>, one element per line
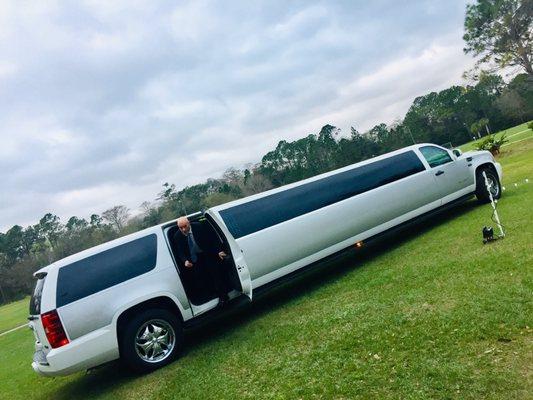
<point>432,314</point>
<point>14,314</point>
<point>514,134</point>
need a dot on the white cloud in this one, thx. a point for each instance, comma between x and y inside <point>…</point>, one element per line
<point>104,101</point>
<point>193,21</point>
<point>7,69</point>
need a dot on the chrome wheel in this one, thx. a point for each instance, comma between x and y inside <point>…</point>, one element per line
<point>494,187</point>
<point>155,340</point>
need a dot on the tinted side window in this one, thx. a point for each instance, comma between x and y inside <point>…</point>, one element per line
<point>35,301</point>
<point>106,269</point>
<point>262,213</point>
<point>435,156</point>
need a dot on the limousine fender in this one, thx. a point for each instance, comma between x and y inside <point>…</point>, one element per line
<point>161,300</point>
<point>160,322</point>
<point>482,159</point>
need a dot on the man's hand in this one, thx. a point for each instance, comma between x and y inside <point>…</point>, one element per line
<point>222,255</point>
<point>188,264</point>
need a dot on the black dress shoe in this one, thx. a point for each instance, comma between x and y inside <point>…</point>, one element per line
<point>222,300</point>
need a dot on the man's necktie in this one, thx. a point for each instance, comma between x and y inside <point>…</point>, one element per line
<point>192,248</point>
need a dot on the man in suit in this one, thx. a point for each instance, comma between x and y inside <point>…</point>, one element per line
<point>199,248</point>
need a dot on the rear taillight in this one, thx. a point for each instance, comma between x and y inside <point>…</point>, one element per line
<point>54,329</point>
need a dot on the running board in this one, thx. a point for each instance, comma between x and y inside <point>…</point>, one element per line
<point>230,306</point>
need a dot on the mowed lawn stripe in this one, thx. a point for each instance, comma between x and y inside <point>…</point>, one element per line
<point>14,314</point>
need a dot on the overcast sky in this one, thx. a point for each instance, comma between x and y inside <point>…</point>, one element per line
<point>101,102</point>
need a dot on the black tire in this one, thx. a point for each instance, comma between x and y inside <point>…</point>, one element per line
<point>482,193</point>
<point>149,322</point>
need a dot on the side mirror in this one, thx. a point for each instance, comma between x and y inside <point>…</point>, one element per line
<point>457,152</point>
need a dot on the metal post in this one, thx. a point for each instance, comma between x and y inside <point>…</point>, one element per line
<point>3,295</point>
<point>493,204</point>
<point>410,134</point>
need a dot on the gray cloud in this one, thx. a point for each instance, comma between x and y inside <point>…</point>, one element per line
<point>102,102</point>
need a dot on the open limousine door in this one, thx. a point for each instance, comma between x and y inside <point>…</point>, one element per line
<point>239,261</point>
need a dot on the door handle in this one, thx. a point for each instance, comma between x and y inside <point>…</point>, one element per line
<point>468,159</point>
<point>440,172</point>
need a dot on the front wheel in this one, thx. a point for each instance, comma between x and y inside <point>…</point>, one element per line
<point>482,193</point>
<point>151,340</point>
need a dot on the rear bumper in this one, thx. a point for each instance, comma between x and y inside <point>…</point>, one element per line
<point>86,352</point>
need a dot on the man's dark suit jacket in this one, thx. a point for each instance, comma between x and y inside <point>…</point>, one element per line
<point>205,238</point>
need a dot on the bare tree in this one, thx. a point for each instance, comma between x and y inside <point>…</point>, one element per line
<point>117,216</point>
<point>256,183</point>
<point>232,176</point>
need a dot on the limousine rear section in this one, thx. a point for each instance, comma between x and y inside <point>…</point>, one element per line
<point>116,299</point>
<point>83,305</point>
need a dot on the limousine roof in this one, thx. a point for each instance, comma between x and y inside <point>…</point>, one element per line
<point>317,177</point>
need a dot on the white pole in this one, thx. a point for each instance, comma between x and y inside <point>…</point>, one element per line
<point>487,184</point>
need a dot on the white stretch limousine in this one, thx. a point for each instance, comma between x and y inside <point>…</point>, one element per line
<point>128,298</point>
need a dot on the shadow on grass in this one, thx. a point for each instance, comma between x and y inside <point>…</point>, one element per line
<point>95,383</point>
<point>112,376</point>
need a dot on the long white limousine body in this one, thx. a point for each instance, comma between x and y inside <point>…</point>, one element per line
<point>127,299</point>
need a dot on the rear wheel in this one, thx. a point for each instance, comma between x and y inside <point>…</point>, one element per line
<point>482,193</point>
<point>150,340</point>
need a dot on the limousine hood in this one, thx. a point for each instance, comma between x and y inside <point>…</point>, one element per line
<point>477,153</point>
